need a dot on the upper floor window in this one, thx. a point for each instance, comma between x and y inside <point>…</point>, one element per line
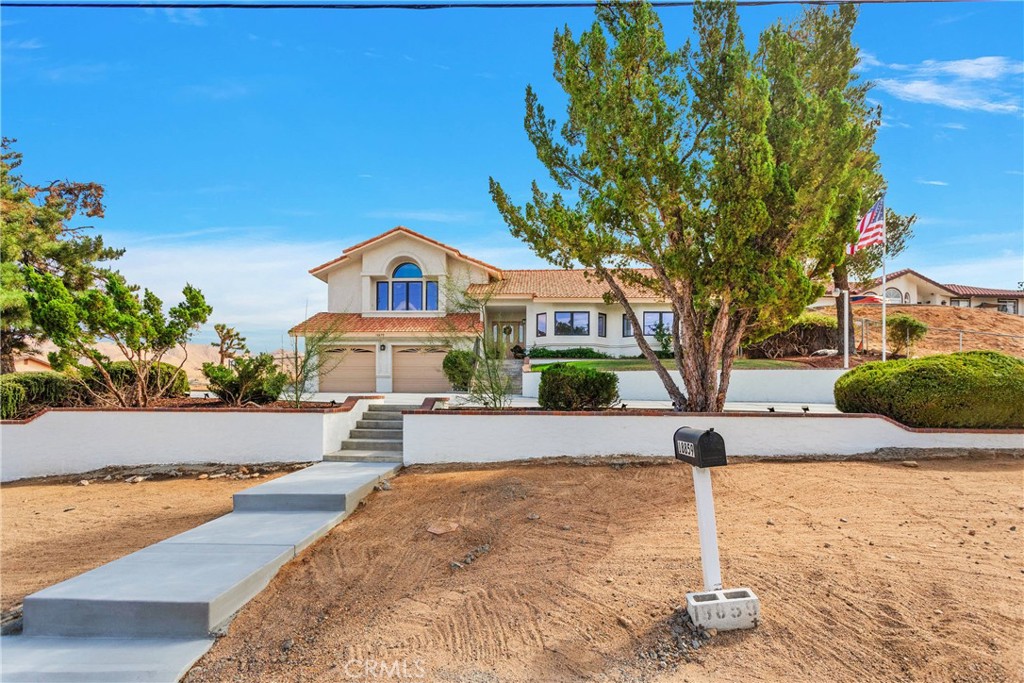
<point>407,290</point>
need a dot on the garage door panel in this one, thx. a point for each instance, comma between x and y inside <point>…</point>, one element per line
<point>350,369</point>
<point>417,369</point>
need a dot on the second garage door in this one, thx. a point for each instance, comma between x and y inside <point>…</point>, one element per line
<point>417,369</point>
<point>350,369</point>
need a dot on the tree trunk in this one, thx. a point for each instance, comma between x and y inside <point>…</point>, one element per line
<point>841,281</point>
<point>6,361</point>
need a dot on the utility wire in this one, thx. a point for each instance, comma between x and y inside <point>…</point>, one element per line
<point>428,5</point>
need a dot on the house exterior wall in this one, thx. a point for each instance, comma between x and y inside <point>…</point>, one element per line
<point>614,343</point>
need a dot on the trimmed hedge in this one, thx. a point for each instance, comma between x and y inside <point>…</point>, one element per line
<point>810,332</point>
<point>458,367</point>
<point>12,398</point>
<point>976,389</point>
<point>569,387</point>
<point>576,353</point>
<point>123,374</point>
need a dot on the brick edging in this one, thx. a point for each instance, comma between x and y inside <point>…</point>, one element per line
<point>670,413</point>
<point>344,407</point>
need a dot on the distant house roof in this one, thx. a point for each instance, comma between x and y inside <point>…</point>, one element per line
<point>907,271</point>
<point>554,284</point>
<point>400,230</point>
<point>967,290</point>
<point>459,324</point>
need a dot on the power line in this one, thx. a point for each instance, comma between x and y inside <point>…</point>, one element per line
<point>428,5</point>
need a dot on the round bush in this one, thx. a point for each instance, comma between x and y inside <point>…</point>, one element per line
<point>49,389</point>
<point>568,387</point>
<point>123,374</point>
<point>12,398</point>
<point>976,389</point>
<point>458,368</point>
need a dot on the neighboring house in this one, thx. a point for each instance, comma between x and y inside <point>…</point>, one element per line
<point>387,298</point>
<point>908,286</point>
<point>31,364</point>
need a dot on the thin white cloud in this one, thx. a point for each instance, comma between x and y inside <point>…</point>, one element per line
<point>187,16</point>
<point>78,73</point>
<point>27,44</point>
<point>937,183</point>
<point>219,91</point>
<point>977,238</point>
<point>979,68</point>
<point>953,126</point>
<point>955,96</point>
<point>1000,271</point>
<point>1015,172</point>
<point>868,60</point>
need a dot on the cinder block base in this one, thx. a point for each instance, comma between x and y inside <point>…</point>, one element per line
<point>725,610</point>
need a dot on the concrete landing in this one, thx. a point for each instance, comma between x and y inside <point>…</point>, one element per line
<point>99,660</point>
<point>364,456</point>
<point>328,486</point>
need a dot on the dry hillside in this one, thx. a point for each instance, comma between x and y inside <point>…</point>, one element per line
<point>981,328</point>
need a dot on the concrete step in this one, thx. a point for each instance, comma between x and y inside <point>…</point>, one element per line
<point>390,407</point>
<point>364,456</point>
<point>371,445</point>
<point>328,486</point>
<point>391,434</point>
<point>98,660</point>
<point>379,424</point>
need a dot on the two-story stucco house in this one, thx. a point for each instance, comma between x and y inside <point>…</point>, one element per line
<point>387,298</point>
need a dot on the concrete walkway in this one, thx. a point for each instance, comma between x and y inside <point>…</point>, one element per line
<point>150,615</point>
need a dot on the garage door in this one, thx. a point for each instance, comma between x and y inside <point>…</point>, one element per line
<point>417,369</point>
<point>349,369</point>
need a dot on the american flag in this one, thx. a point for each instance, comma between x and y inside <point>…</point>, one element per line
<point>871,228</point>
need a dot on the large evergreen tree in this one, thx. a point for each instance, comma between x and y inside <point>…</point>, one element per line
<point>714,170</point>
<point>36,235</point>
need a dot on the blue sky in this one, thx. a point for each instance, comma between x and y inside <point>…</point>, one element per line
<point>241,148</point>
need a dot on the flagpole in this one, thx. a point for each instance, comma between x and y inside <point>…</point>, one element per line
<point>885,285</point>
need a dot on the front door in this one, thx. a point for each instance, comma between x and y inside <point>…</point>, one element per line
<point>508,333</point>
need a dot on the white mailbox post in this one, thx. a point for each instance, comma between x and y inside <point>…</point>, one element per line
<point>714,607</point>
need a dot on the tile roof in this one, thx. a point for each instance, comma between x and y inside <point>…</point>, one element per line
<point>401,229</point>
<point>355,324</point>
<point>967,290</point>
<point>553,284</point>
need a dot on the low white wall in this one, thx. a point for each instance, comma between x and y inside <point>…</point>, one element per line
<point>67,442</point>
<point>496,438</point>
<point>747,386</point>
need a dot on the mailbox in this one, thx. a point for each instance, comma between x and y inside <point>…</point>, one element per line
<point>698,447</point>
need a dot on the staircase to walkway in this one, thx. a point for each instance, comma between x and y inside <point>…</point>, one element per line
<point>514,369</point>
<point>377,436</point>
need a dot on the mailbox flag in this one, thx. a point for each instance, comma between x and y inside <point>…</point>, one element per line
<point>871,228</point>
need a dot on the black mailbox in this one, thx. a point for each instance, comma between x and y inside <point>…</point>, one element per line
<point>698,447</point>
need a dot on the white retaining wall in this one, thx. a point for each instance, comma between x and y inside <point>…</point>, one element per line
<point>496,438</point>
<point>67,442</point>
<point>747,386</point>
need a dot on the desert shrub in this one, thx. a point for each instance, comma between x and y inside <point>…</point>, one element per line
<point>247,380</point>
<point>810,332</point>
<point>12,398</point>
<point>577,353</point>
<point>976,389</point>
<point>904,331</point>
<point>124,376</point>
<point>49,389</point>
<point>458,368</point>
<point>568,387</point>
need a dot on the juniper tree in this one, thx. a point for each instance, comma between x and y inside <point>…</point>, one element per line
<point>706,174</point>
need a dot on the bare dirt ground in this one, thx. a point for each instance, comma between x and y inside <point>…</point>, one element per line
<point>52,529</point>
<point>866,572</point>
<point>949,318</point>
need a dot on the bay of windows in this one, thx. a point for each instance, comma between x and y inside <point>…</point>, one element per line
<point>572,323</point>
<point>652,319</point>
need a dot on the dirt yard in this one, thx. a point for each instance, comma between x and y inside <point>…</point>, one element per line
<point>51,530</point>
<point>948,318</point>
<point>866,572</point>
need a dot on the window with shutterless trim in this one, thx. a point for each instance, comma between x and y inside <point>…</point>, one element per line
<point>542,324</point>
<point>572,323</point>
<point>602,325</point>
<point>654,318</point>
<point>627,326</point>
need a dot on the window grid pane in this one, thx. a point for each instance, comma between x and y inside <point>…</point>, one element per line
<point>399,296</point>
<point>415,296</point>
<point>407,270</point>
<point>627,326</point>
<point>602,325</point>
<point>382,296</point>
<point>542,324</point>
<point>431,296</point>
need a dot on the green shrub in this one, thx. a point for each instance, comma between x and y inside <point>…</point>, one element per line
<point>577,353</point>
<point>49,389</point>
<point>123,374</point>
<point>903,331</point>
<point>568,387</point>
<point>976,389</point>
<point>458,367</point>
<point>247,380</point>
<point>810,332</point>
<point>12,398</point>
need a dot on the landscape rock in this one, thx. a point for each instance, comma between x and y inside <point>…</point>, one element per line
<point>84,482</point>
<point>442,528</point>
<point>533,516</point>
<point>910,463</point>
<point>204,475</point>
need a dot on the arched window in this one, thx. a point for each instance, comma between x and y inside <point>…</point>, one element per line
<point>407,290</point>
<point>893,296</point>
